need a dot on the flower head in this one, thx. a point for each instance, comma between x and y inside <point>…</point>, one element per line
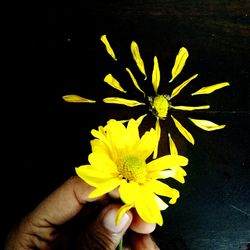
<point>119,159</point>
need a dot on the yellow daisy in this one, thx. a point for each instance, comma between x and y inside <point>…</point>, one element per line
<point>119,159</point>
<point>160,104</point>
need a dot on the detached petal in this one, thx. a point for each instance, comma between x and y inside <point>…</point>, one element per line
<point>139,120</point>
<point>158,133</point>
<point>173,148</point>
<point>122,101</point>
<point>137,57</point>
<point>177,90</point>
<point>108,47</point>
<point>180,61</point>
<point>109,79</point>
<point>183,131</point>
<point>206,125</point>
<point>190,108</point>
<point>210,89</point>
<point>77,98</point>
<point>156,75</point>
<point>135,81</point>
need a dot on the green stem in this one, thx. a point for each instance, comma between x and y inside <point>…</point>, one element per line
<point>120,244</point>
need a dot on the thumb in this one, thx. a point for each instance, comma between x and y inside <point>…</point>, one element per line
<point>104,233</point>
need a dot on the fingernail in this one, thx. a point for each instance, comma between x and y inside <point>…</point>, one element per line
<point>109,221</point>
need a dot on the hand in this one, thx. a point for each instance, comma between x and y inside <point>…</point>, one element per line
<point>68,219</point>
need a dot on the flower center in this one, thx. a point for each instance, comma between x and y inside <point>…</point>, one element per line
<point>133,169</point>
<point>159,106</point>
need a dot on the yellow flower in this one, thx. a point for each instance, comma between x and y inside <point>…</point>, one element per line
<point>119,159</point>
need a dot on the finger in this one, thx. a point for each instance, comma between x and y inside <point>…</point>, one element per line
<point>141,242</point>
<point>140,226</point>
<point>104,233</point>
<point>64,203</point>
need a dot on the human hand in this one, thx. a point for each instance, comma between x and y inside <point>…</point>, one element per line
<point>68,219</point>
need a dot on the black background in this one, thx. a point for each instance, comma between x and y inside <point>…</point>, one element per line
<point>54,49</point>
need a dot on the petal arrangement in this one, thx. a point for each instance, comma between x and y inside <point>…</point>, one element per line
<point>122,160</point>
<point>119,159</point>
<point>160,104</point>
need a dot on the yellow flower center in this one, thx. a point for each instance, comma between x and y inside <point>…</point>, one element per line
<point>132,168</point>
<point>159,105</point>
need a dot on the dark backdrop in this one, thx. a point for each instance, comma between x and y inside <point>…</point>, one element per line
<point>54,49</point>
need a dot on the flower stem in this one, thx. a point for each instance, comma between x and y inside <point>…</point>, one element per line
<point>120,244</point>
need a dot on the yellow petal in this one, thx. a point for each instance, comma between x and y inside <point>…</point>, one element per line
<point>137,57</point>
<point>148,209</point>
<point>99,146</point>
<point>147,144</point>
<point>105,187</point>
<point>177,90</point>
<point>210,89</point>
<point>77,98</point>
<point>92,176</point>
<point>190,108</point>
<point>139,120</point>
<point>162,205</point>
<point>122,101</point>
<point>206,125</point>
<point>129,191</point>
<point>135,81</point>
<point>173,148</point>
<point>102,163</point>
<point>109,79</point>
<point>166,162</point>
<point>175,174</point>
<point>163,189</point>
<point>132,133</point>
<point>156,75</point>
<point>183,131</point>
<point>108,47</point>
<point>180,61</point>
<point>158,134</point>
<point>122,210</point>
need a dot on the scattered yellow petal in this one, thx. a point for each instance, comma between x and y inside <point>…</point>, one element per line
<point>206,125</point>
<point>158,132</point>
<point>137,57</point>
<point>190,108</point>
<point>123,101</point>
<point>109,79</point>
<point>108,47</point>
<point>177,90</point>
<point>173,148</point>
<point>135,81</point>
<point>77,98</point>
<point>139,120</point>
<point>180,61</point>
<point>156,75</point>
<point>210,89</point>
<point>183,131</point>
